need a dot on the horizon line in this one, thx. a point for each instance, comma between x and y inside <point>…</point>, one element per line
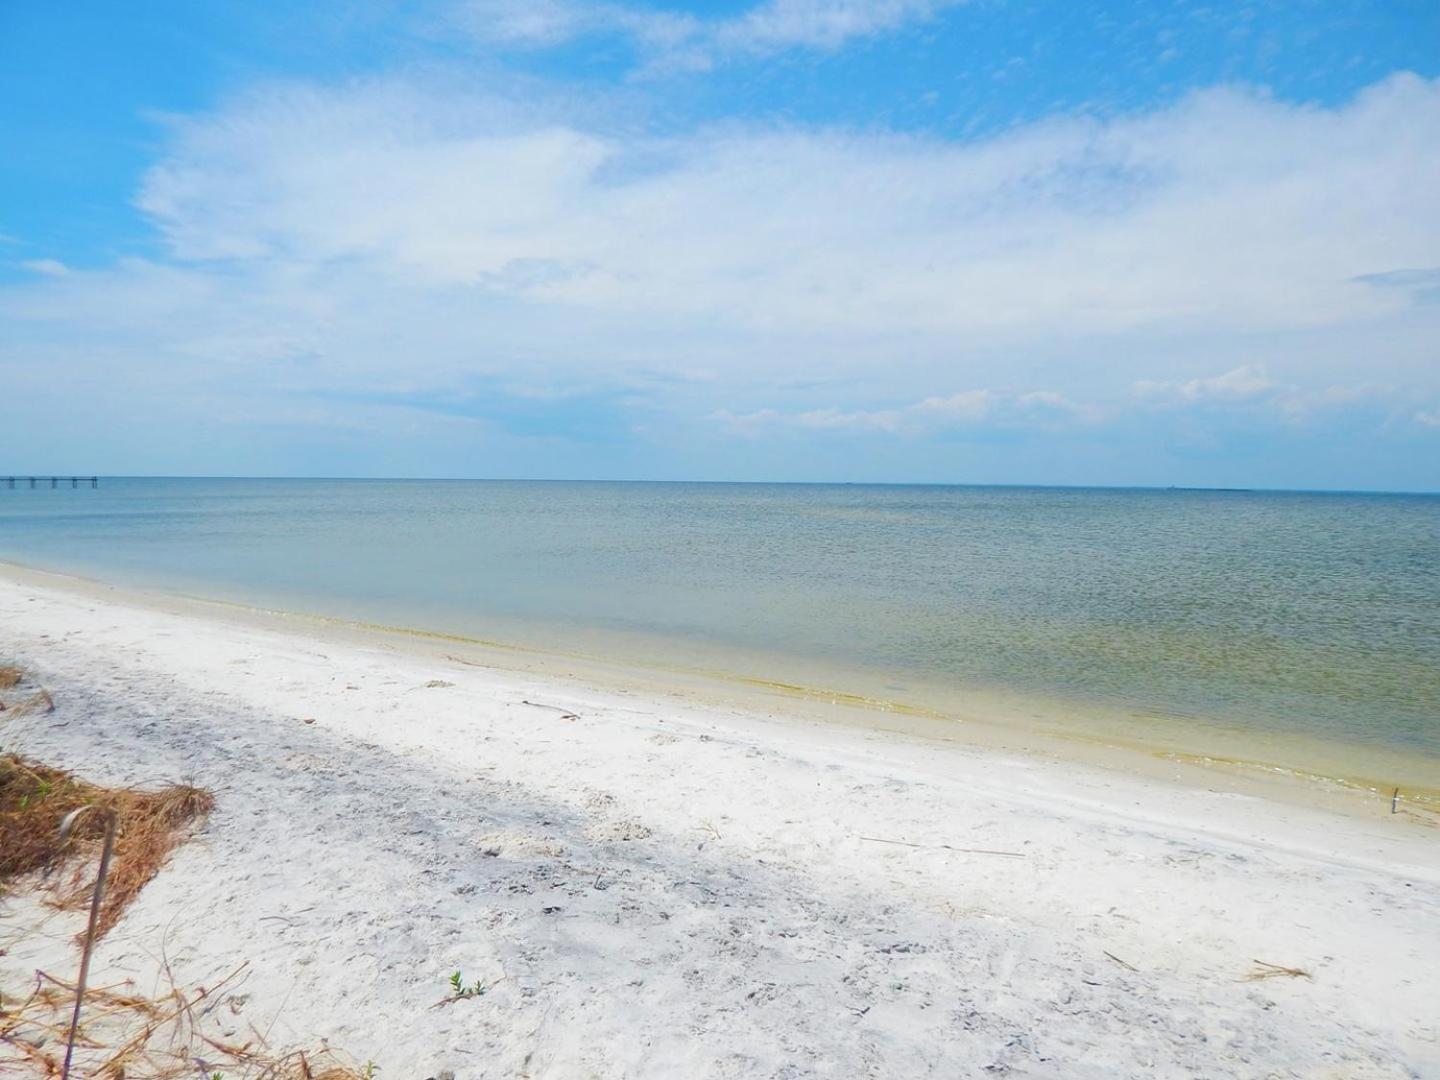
<point>1216,489</point>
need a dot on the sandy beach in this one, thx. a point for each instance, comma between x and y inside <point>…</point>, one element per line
<point>652,885</point>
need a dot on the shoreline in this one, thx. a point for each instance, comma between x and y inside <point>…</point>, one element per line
<point>653,885</point>
<point>1196,755</point>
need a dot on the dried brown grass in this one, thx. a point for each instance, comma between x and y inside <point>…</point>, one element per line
<point>126,1035</point>
<point>10,676</point>
<point>123,1035</point>
<point>34,798</point>
<point>38,702</point>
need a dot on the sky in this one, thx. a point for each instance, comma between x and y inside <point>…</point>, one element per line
<point>995,241</point>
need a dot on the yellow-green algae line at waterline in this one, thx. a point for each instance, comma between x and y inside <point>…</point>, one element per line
<point>812,693</point>
<point>1420,797</point>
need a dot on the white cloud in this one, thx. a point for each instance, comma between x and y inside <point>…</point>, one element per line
<point>1430,418</point>
<point>821,24</point>
<point>1252,385</point>
<point>1227,211</point>
<point>1051,411</point>
<point>672,39</point>
<point>968,408</point>
<point>397,237</point>
<point>1240,384</point>
<point>542,23</point>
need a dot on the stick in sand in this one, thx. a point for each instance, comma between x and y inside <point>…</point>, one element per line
<point>111,820</point>
<point>947,847</point>
<point>1122,963</point>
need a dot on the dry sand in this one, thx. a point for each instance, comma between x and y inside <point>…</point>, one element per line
<point>654,886</point>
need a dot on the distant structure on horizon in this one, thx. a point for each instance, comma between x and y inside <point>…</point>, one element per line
<point>12,482</point>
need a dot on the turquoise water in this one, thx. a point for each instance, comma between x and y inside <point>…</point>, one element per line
<point>1286,612</point>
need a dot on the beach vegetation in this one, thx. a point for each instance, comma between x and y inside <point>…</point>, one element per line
<point>35,798</point>
<point>459,991</point>
<point>121,1032</point>
<point>175,1034</point>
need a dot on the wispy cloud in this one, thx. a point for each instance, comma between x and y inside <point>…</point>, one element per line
<point>1240,384</point>
<point>46,267</point>
<point>822,23</point>
<point>543,23</point>
<point>966,409</point>
<point>1225,211</point>
<point>1047,410</point>
<point>1427,278</point>
<point>672,39</point>
<point>1252,384</point>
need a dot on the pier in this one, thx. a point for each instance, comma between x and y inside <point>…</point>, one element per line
<point>12,482</point>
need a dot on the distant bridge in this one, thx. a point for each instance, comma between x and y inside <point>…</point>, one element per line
<point>54,481</point>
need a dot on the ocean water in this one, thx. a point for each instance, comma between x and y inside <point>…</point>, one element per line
<point>1281,613</point>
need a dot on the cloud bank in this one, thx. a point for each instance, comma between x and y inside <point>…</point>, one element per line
<point>366,250</point>
<point>1227,210</point>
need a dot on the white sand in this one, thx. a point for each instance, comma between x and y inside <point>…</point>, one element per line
<point>670,889</point>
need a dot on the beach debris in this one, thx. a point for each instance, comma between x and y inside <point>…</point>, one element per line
<point>437,684</point>
<point>1122,963</point>
<point>39,702</point>
<point>462,991</point>
<point>946,847</point>
<point>10,676</point>
<point>167,1036</point>
<point>121,1032</point>
<point>1265,970</point>
<point>565,714</point>
<point>107,849</point>
<point>462,660</point>
<point>35,798</point>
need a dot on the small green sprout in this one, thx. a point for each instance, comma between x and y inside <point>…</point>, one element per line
<point>459,991</point>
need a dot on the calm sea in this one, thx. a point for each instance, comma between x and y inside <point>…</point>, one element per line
<point>1311,614</point>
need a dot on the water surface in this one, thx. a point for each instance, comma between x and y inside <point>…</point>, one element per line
<point>1286,613</point>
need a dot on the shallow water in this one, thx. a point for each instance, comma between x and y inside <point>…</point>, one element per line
<point>1286,613</point>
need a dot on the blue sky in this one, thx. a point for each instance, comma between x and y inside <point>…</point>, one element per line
<point>898,240</point>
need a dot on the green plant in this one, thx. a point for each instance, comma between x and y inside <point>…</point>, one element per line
<point>459,991</point>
